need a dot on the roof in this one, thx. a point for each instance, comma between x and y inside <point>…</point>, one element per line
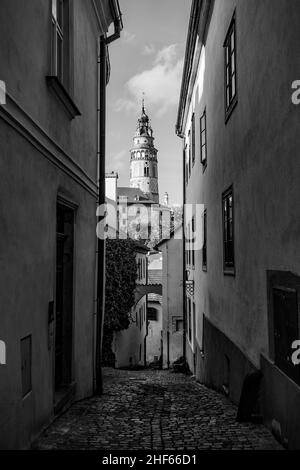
<point>134,195</point>
<point>154,276</point>
<point>197,27</point>
<point>154,298</point>
<point>140,247</point>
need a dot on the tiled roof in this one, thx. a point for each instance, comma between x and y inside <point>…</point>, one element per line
<point>154,298</point>
<point>134,195</point>
<point>154,276</point>
<point>141,247</point>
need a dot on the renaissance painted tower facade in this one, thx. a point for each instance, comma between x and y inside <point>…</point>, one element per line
<point>143,164</point>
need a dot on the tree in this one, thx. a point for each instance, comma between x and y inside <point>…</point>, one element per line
<point>121,273</point>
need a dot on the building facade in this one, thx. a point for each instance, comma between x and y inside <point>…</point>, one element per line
<point>129,346</point>
<point>49,147</point>
<point>240,139</point>
<point>154,345</point>
<point>172,298</point>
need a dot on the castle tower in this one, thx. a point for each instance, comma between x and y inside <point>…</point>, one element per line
<point>143,164</point>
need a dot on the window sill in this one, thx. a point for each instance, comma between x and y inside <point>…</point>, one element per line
<point>61,93</point>
<point>230,110</point>
<point>229,272</point>
<point>204,269</point>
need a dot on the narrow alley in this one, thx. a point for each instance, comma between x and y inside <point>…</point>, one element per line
<point>154,410</point>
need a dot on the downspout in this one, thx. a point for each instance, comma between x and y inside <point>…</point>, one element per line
<point>184,262</point>
<point>101,146</point>
<point>179,134</point>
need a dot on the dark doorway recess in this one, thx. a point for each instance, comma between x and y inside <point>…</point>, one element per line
<point>64,301</point>
<point>284,312</point>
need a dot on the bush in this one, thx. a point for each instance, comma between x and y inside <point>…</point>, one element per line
<point>121,271</point>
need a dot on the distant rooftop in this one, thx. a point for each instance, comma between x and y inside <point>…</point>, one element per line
<point>134,195</point>
<point>154,298</point>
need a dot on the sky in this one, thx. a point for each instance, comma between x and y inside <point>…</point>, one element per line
<point>148,59</point>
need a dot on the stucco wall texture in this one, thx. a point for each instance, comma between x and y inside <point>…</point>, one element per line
<point>57,156</point>
<point>256,151</point>
<point>172,253</point>
<point>129,345</point>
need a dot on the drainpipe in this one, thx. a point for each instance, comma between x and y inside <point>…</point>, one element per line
<point>102,67</point>
<point>179,134</point>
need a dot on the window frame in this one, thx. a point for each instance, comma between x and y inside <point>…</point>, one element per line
<point>204,248</point>
<point>203,146</point>
<point>62,84</point>
<point>193,140</point>
<point>228,266</point>
<point>230,52</point>
<point>192,235</point>
<point>190,154</point>
<point>60,28</point>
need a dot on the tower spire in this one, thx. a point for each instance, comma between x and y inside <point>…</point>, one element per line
<point>143,104</point>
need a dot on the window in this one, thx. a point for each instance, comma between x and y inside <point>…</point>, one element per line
<point>179,325</point>
<point>193,240</point>
<point>60,40</point>
<point>204,249</point>
<point>26,359</point>
<point>193,143</point>
<point>152,314</point>
<point>190,155</point>
<point>228,230</point>
<point>203,139</point>
<point>190,319</point>
<point>189,244</point>
<point>60,79</point>
<point>230,69</point>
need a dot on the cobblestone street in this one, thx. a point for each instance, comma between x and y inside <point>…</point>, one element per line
<point>153,410</point>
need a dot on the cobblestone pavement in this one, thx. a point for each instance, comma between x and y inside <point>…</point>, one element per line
<point>156,410</point>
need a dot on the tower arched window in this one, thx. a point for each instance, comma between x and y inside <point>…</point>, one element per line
<point>146,169</point>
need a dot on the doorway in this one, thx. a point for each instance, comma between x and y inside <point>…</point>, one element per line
<point>64,298</point>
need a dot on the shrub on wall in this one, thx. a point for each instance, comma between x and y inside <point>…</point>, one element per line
<point>121,272</point>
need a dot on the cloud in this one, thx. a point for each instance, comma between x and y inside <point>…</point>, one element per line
<point>166,55</point>
<point>125,104</point>
<point>128,38</point>
<point>149,49</point>
<point>161,83</point>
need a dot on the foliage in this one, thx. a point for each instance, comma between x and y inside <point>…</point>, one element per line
<point>121,271</point>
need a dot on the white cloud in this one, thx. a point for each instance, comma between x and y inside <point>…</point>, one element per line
<point>125,104</point>
<point>129,38</point>
<point>161,83</point>
<point>149,49</point>
<point>166,55</point>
